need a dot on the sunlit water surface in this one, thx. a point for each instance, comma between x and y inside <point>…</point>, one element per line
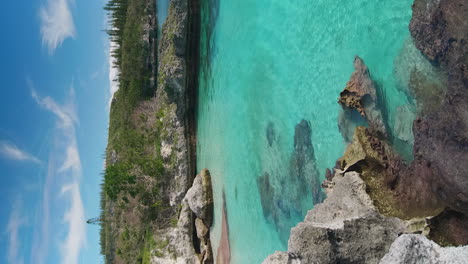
<point>282,61</point>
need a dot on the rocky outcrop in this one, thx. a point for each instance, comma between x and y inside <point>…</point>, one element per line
<point>174,95</point>
<point>390,182</point>
<point>353,225</point>
<point>339,230</point>
<point>360,94</point>
<point>200,197</point>
<point>417,249</point>
<point>441,138</point>
<point>189,242</point>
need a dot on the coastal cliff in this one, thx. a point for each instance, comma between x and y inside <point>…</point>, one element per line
<point>148,211</point>
<point>379,208</point>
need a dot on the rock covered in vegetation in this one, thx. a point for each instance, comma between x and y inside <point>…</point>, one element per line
<point>171,92</point>
<point>417,249</point>
<point>360,94</point>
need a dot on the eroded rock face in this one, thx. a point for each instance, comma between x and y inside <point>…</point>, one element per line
<point>360,94</point>
<point>441,137</point>
<point>417,249</point>
<point>200,197</point>
<point>449,229</point>
<point>189,242</point>
<point>439,30</point>
<point>303,167</point>
<point>179,241</point>
<point>340,229</point>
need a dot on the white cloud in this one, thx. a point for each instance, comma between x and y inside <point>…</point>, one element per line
<point>67,168</point>
<point>76,229</point>
<point>72,160</point>
<point>56,23</point>
<point>113,72</point>
<point>11,151</point>
<point>15,222</point>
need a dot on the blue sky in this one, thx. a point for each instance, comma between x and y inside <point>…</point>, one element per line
<point>53,129</point>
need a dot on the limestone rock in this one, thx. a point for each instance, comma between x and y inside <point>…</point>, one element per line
<point>349,196</point>
<point>278,257</point>
<point>360,94</point>
<point>200,197</point>
<point>340,229</point>
<point>180,248</point>
<point>417,249</point>
<point>202,229</point>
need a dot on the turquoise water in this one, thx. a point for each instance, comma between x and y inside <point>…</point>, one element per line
<point>162,9</point>
<point>278,62</point>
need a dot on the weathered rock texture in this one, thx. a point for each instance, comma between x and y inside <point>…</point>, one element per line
<point>173,88</point>
<point>439,29</point>
<point>360,94</point>
<point>339,230</point>
<point>200,197</point>
<point>189,242</point>
<point>390,183</point>
<point>353,225</point>
<point>417,249</point>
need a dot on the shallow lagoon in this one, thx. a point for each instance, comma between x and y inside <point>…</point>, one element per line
<point>278,62</point>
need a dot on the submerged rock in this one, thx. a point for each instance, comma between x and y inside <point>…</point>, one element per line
<point>270,133</point>
<point>417,249</point>
<point>439,29</point>
<point>360,94</point>
<point>419,79</point>
<point>404,123</point>
<point>348,120</point>
<point>285,198</point>
<point>303,166</point>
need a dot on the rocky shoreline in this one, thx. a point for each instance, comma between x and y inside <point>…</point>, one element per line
<point>378,208</point>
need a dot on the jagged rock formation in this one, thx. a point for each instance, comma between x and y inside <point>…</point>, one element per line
<point>436,179</point>
<point>417,249</point>
<point>173,93</point>
<point>360,94</point>
<point>439,29</point>
<point>389,181</point>
<point>200,197</point>
<point>189,242</point>
<point>346,227</point>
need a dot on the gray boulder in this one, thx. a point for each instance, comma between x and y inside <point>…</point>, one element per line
<point>417,249</point>
<point>200,197</point>
<point>345,228</point>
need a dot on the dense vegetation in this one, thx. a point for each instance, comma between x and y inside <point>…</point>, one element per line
<point>131,199</point>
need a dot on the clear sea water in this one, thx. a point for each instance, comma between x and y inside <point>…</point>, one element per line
<point>282,61</point>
